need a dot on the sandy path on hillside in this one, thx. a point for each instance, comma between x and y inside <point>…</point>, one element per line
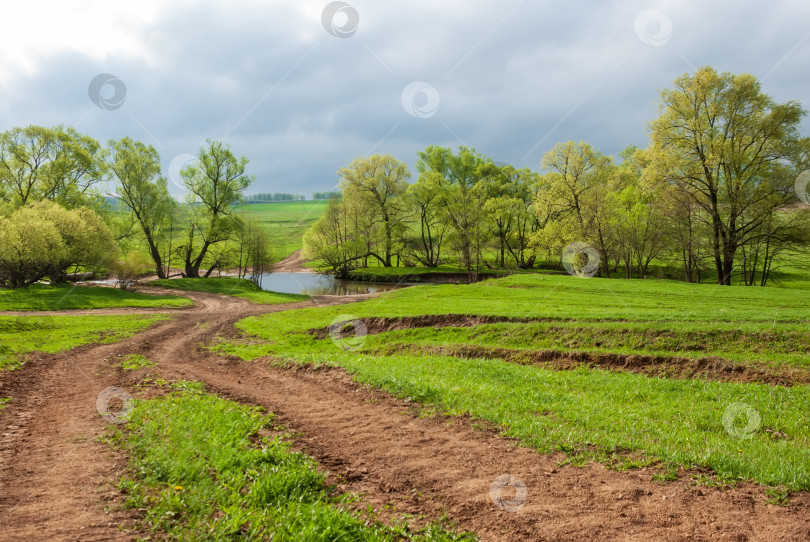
<point>56,479</point>
<point>292,264</point>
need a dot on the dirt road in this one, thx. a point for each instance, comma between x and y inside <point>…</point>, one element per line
<point>57,480</point>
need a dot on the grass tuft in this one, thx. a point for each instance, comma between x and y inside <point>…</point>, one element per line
<point>133,362</point>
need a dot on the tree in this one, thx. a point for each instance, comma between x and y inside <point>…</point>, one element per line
<point>377,184</point>
<point>575,169</point>
<point>254,251</point>
<point>144,191</point>
<point>462,199</point>
<point>729,143</point>
<point>334,239</point>
<point>782,233</point>
<point>43,240</point>
<point>641,232</point>
<point>424,198</point>
<point>58,164</point>
<point>215,183</point>
<point>579,177</point>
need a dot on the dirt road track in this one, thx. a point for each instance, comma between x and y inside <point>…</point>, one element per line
<point>56,479</point>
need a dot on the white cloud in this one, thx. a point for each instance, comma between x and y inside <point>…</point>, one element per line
<point>95,29</point>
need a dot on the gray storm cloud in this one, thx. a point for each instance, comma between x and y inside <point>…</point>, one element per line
<point>301,99</point>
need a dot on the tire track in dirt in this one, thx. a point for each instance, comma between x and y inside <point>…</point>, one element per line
<point>377,446</point>
<point>56,478</point>
<point>372,444</point>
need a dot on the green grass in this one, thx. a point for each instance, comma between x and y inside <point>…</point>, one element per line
<point>230,286</point>
<point>39,297</point>
<point>20,335</point>
<point>285,222</point>
<point>133,362</point>
<point>740,343</point>
<point>377,273</point>
<point>4,401</point>
<point>204,468</point>
<point>619,418</point>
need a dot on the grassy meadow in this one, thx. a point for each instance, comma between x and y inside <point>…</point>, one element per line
<point>740,430</point>
<point>40,297</point>
<point>285,222</point>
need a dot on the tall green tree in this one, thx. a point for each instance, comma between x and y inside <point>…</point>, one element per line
<point>575,169</point>
<point>424,197</point>
<point>581,181</point>
<point>377,184</point>
<point>216,184</point>
<point>57,164</point>
<point>144,191</point>
<point>730,143</point>
<point>462,199</point>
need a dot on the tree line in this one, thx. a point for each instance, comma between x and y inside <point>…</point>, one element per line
<point>273,197</point>
<point>325,195</point>
<point>712,195</point>
<point>55,215</point>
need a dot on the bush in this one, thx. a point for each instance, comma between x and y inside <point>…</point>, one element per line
<point>128,269</point>
<point>44,240</point>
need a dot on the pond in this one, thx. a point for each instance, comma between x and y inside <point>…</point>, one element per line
<point>313,284</point>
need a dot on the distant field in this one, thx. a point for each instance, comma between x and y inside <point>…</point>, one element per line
<point>286,222</point>
<point>630,373</point>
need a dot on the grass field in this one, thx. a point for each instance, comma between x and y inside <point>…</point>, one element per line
<point>20,335</point>
<point>285,222</point>
<point>38,297</point>
<point>620,418</point>
<point>229,286</point>
<point>200,469</point>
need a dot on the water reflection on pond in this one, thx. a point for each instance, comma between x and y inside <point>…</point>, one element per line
<point>312,284</point>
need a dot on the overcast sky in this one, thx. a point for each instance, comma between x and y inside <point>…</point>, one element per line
<point>303,87</point>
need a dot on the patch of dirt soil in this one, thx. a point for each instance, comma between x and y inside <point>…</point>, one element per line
<point>55,478</point>
<point>293,263</point>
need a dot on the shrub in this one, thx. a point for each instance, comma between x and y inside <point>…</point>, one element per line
<point>44,240</point>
